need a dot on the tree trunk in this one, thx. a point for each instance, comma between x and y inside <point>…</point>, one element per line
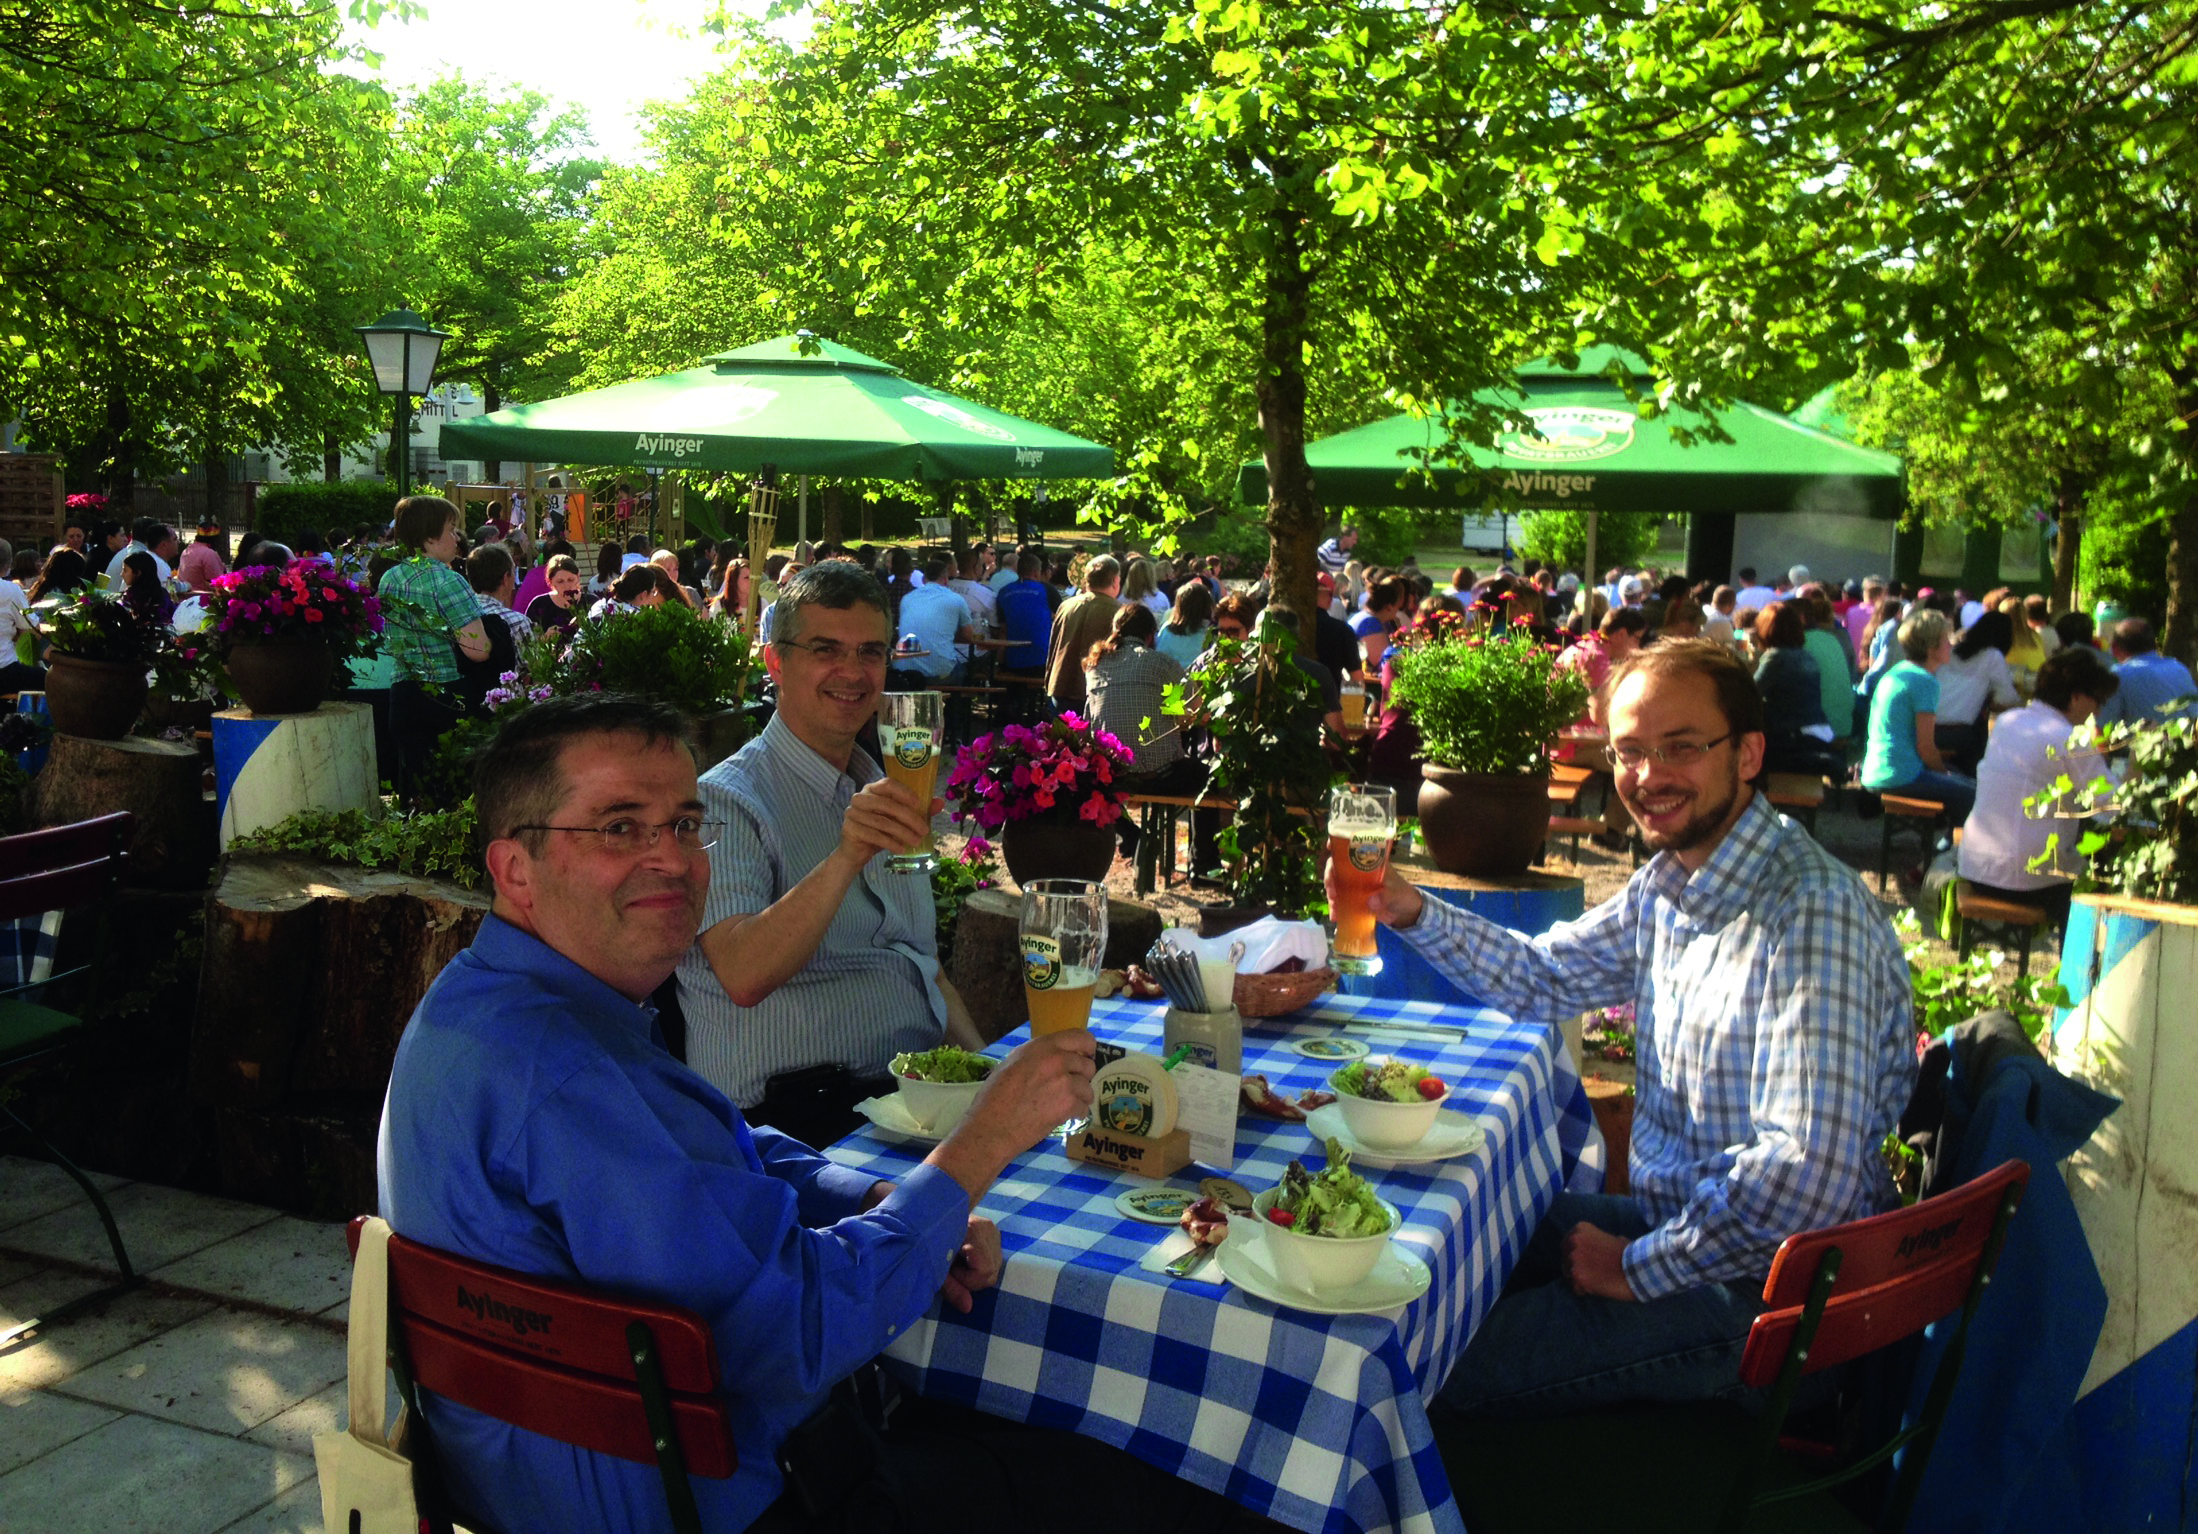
<point>121,457</point>
<point>492,471</point>
<point>2068,508</point>
<point>1293,512</point>
<point>2180,638</point>
<point>172,845</point>
<point>331,456</point>
<point>834,501</point>
<point>214,469</point>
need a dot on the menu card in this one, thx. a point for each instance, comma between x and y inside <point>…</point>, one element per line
<point>1208,1102</point>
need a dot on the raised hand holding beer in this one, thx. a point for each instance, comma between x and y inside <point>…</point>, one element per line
<point>1362,821</point>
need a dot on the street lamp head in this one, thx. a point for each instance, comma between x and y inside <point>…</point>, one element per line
<point>403,349</point>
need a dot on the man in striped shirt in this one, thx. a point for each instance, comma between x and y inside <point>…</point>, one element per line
<point>1775,1047</point>
<point>817,963</point>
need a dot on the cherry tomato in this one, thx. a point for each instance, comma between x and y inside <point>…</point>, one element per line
<point>1282,1217</point>
<point>1431,1087</point>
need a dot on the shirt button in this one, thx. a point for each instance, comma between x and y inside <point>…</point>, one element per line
<point>892,1331</point>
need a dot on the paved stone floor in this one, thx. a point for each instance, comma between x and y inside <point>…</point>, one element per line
<point>187,1406</point>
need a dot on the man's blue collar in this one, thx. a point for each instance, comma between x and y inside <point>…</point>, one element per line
<point>514,950</point>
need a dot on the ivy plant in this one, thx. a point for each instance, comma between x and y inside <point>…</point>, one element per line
<point>432,844</point>
<point>2151,851</point>
<point>1263,711</point>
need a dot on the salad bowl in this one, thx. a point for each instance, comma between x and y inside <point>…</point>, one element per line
<point>1320,1264</point>
<point>1384,1122</point>
<point>937,1106</point>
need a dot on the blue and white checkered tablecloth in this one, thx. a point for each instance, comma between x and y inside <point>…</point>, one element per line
<point>1319,1422</point>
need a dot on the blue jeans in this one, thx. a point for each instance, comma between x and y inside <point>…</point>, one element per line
<point>1545,1350</point>
<point>1957,793</point>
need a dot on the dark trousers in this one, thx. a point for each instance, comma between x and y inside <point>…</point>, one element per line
<point>940,1469</point>
<point>418,720</point>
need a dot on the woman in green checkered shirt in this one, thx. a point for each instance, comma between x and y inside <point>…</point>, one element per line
<point>429,619</point>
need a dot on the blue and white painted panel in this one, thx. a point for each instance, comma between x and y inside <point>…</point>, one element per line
<point>268,767</point>
<point>2131,969</point>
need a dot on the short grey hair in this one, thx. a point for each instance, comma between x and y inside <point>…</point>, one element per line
<point>1106,570</point>
<point>1922,632</point>
<point>837,584</point>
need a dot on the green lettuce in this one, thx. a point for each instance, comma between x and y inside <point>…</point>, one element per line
<point>1392,1081</point>
<point>1337,1203</point>
<point>946,1066</point>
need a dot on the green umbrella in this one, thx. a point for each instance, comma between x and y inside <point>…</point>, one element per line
<point>1595,453</point>
<point>834,411</point>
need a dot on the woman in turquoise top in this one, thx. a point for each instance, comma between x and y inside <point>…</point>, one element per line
<point>1183,637</point>
<point>1903,754</point>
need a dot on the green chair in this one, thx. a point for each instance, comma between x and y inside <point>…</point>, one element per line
<point>1835,1295</point>
<point>68,868</point>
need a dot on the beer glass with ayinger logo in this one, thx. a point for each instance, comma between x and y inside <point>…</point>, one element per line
<point>1064,936</point>
<point>1362,820</point>
<point>911,732</point>
<point>1063,939</point>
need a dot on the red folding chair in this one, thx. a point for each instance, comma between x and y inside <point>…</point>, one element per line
<point>627,1378</point>
<point>1836,1295</point>
<point>78,868</point>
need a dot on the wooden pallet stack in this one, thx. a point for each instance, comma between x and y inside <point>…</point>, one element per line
<point>31,499</point>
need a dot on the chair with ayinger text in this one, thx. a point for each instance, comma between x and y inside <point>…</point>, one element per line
<point>1835,1295</point>
<point>629,1378</point>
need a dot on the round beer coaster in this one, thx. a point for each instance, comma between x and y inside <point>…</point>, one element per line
<point>1333,1047</point>
<point>1156,1206</point>
<point>1231,1195</point>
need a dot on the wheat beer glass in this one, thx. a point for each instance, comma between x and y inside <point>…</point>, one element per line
<point>911,732</point>
<point>1064,935</point>
<point>1362,820</point>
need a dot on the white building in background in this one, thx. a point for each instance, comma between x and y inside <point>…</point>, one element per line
<point>445,402</point>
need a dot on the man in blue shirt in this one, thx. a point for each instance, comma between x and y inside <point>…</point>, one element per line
<point>2153,686</point>
<point>1773,1015</point>
<point>536,1122</point>
<point>939,618</point>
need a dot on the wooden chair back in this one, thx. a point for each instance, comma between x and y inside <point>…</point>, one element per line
<point>63,866</point>
<point>629,1378</point>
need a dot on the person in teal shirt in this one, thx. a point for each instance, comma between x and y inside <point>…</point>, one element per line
<point>429,620</point>
<point>1902,755</point>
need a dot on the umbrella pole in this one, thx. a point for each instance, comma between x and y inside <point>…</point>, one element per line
<point>801,520</point>
<point>762,527</point>
<point>1587,576</point>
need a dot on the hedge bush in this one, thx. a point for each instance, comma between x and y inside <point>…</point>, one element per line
<point>286,510</point>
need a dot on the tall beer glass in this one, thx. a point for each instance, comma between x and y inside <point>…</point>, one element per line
<point>1064,936</point>
<point>1362,821</point>
<point>911,732</point>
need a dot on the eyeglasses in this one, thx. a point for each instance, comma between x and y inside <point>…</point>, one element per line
<point>830,651</point>
<point>627,837</point>
<point>1680,753</point>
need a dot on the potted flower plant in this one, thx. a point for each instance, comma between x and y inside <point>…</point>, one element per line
<point>95,671</point>
<point>187,683</point>
<point>1487,705</point>
<point>1048,792</point>
<point>281,632</point>
<point>693,663</point>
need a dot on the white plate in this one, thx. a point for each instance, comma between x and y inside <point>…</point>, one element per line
<point>1397,1280</point>
<point>891,1118</point>
<point>1453,1134</point>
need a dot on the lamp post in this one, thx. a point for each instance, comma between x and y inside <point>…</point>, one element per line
<point>403,349</point>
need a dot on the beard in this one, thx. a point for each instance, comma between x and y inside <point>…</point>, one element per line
<point>1707,821</point>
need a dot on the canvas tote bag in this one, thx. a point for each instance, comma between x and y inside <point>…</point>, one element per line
<point>365,1474</point>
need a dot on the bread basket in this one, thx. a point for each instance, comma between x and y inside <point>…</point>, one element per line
<point>1277,994</point>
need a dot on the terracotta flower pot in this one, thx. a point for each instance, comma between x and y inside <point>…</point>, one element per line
<point>1484,825</point>
<point>1047,847</point>
<point>94,699</point>
<point>281,676</point>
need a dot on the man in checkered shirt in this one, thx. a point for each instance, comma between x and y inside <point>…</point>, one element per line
<point>1775,1045</point>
